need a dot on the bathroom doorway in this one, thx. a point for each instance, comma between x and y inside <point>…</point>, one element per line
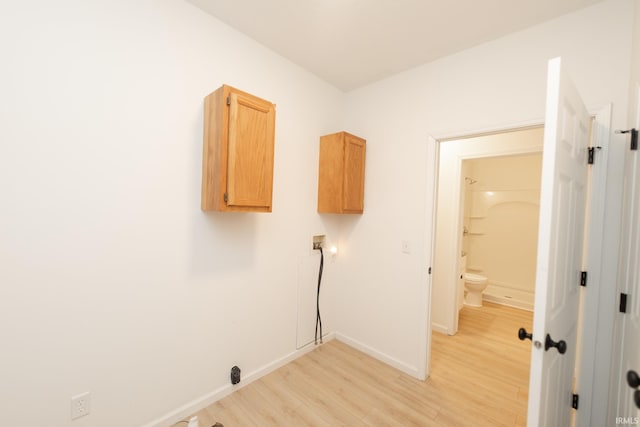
<point>447,223</point>
<point>504,195</point>
<point>487,224</point>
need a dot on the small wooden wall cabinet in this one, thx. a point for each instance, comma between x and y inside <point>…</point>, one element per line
<point>341,174</point>
<point>237,159</point>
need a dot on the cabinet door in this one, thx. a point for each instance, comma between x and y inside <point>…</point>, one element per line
<point>250,155</point>
<point>353,193</point>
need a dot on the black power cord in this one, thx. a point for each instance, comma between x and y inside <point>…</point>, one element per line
<point>318,318</point>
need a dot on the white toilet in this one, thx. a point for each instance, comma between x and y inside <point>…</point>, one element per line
<point>474,285</point>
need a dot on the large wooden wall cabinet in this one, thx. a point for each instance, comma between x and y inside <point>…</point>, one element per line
<point>341,174</point>
<point>237,161</point>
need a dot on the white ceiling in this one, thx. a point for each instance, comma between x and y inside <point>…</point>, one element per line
<point>351,43</point>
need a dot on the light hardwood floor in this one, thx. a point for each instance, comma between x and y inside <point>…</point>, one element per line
<point>478,377</point>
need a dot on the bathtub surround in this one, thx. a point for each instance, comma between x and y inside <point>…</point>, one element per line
<point>501,216</point>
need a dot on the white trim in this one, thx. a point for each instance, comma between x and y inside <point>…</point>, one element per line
<point>473,153</point>
<point>389,360</point>
<point>436,327</point>
<point>508,302</point>
<point>207,399</point>
<point>488,130</point>
<point>424,340</point>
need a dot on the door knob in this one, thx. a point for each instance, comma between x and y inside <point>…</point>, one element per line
<point>560,345</point>
<point>633,379</point>
<point>634,382</point>
<point>524,335</point>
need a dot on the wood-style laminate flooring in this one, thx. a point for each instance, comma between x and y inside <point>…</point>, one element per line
<point>479,377</point>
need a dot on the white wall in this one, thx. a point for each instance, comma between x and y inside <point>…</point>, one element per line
<point>112,280</point>
<point>495,85</point>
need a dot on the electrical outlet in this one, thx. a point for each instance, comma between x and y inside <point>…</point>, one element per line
<point>80,405</point>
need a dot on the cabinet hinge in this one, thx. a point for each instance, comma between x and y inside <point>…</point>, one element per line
<point>574,401</point>
<point>623,303</point>
<point>583,278</point>
<point>226,197</point>
<point>229,100</point>
<point>634,137</point>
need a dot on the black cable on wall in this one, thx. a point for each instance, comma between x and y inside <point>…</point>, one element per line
<point>318,318</point>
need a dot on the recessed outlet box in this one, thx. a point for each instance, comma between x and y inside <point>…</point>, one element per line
<point>235,375</point>
<point>80,405</point>
<point>318,241</point>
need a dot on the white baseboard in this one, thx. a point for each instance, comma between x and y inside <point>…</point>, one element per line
<point>407,369</point>
<point>203,401</point>
<point>439,328</point>
<point>508,302</point>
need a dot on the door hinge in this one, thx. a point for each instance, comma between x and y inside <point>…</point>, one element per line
<point>592,154</point>
<point>623,303</point>
<point>574,401</point>
<point>226,197</point>
<point>229,100</point>
<point>429,270</point>
<point>634,137</point>
<point>583,278</point>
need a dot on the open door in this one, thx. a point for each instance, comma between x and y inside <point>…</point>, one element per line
<point>626,373</point>
<point>560,252</point>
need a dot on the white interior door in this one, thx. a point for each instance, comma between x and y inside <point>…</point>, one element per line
<point>628,323</point>
<point>560,252</point>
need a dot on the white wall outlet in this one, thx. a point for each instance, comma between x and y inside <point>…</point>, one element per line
<point>80,405</point>
<point>406,247</point>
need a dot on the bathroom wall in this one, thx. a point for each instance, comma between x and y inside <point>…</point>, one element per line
<point>501,216</point>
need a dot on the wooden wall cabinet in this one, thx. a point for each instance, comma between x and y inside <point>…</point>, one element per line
<point>237,160</point>
<point>341,174</point>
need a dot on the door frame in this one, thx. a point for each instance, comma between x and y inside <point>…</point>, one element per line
<point>590,296</point>
<point>454,239</point>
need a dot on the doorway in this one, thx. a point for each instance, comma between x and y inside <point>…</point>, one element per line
<point>450,217</point>
<point>440,320</point>
<point>488,196</point>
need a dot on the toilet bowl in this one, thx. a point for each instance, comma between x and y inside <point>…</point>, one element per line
<point>474,285</point>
